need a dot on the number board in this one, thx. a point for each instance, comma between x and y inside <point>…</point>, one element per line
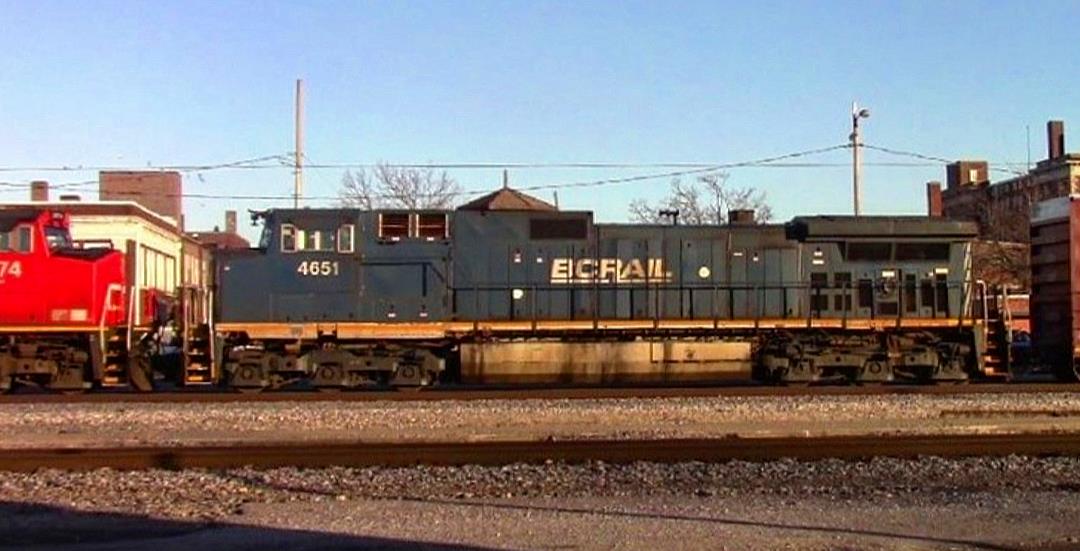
<point>318,268</point>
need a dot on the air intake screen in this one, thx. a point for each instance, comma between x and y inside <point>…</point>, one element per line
<point>558,228</point>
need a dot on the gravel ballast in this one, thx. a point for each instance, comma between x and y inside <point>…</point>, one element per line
<point>1015,502</point>
<point>119,423</point>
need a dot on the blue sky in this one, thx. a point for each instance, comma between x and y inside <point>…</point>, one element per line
<point>164,83</point>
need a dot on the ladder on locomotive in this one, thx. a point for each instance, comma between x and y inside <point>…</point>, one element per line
<point>997,315</point>
<point>195,338</point>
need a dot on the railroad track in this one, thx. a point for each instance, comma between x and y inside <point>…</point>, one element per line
<point>542,393</point>
<point>362,454</point>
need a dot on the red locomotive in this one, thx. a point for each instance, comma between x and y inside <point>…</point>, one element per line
<point>64,307</point>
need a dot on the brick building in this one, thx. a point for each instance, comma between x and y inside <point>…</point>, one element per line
<point>1002,208</point>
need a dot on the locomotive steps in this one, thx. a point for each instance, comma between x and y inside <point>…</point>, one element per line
<point>363,454</point>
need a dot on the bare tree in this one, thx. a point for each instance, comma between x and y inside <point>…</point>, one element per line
<point>388,186</point>
<point>1001,254</point>
<point>705,201</point>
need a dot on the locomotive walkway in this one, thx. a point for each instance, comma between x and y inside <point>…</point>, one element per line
<point>361,454</point>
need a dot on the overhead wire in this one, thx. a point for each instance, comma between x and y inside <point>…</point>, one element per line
<point>285,161</point>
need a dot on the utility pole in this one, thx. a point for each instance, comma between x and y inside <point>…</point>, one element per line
<point>856,160</point>
<point>298,168</point>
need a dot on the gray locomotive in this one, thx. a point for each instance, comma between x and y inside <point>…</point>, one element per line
<point>509,289</point>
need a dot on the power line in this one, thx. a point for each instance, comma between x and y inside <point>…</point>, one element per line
<point>241,164</point>
<point>941,160</point>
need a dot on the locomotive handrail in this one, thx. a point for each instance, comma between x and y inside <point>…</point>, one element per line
<point>754,300</point>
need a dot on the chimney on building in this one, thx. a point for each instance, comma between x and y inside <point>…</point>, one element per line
<point>740,217</point>
<point>967,173</point>
<point>1055,139</point>
<point>934,206</point>
<point>160,192</point>
<point>230,221</point>
<point>39,191</point>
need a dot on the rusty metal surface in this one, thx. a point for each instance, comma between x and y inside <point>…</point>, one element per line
<point>466,393</point>
<point>360,454</point>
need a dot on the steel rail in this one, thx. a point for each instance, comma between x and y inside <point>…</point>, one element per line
<point>362,454</point>
<point>535,393</point>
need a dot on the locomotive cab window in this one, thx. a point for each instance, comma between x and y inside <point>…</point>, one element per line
<point>290,238</point>
<point>345,235</point>
<point>57,238</point>
<point>317,240</point>
<point>432,226</point>
<point>393,226</point>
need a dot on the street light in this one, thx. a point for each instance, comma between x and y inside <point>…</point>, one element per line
<point>856,167</point>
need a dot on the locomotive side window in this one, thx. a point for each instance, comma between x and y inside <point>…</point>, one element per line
<point>289,238</point>
<point>432,226</point>
<point>922,251</point>
<point>869,251</point>
<point>18,240</point>
<point>393,226</point>
<point>345,239</point>
<point>24,243</point>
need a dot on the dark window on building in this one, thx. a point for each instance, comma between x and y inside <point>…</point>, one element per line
<point>909,293</point>
<point>558,228</point>
<point>842,280</point>
<point>866,293</point>
<point>819,302</point>
<point>861,251</point>
<point>922,251</point>
<point>819,279</point>
<point>394,225</point>
<point>432,226</point>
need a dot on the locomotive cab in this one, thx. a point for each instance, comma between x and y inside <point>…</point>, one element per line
<point>54,299</point>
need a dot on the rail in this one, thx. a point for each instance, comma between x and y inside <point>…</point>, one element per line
<point>363,454</point>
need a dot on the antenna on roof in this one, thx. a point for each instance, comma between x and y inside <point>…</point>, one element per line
<point>506,179</point>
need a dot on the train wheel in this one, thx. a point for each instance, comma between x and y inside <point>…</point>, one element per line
<point>248,378</point>
<point>329,377</point>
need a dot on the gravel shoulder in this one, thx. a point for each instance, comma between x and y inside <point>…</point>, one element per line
<point>930,503</point>
<point>119,423</point>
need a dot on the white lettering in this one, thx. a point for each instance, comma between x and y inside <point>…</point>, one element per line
<point>560,270</point>
<point>609,270</point>
<point>11,268</point>
<point>318,268</point>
